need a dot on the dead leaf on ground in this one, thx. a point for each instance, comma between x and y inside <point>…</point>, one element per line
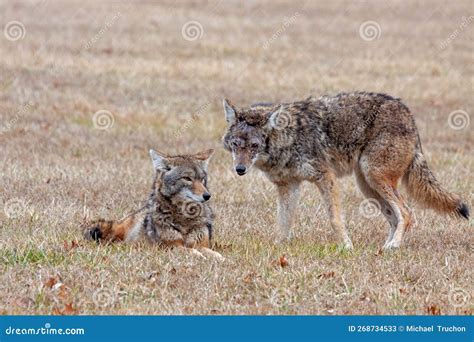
<point>71,246</point>
<point>433,310</point>
<point>249,278</point>
<point>284,261</point>
<point>67,310</point>
<point>326,275</point>
<point>51,282</point>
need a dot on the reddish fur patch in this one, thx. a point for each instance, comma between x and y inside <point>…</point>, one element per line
<point>120,230</point>
<point>198,188</point>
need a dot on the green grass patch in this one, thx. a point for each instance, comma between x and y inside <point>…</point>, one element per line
<point>31,256</point>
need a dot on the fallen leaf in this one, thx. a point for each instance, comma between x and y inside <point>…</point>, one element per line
<point>56,311</point>
<point>68,246</point>
<point>51,282</point>
<point>283,261</point>
<point>365,297</point>
<point>326,275</point>
<point>433,310</point>
<point>69,309</point>
<point>249,278</point>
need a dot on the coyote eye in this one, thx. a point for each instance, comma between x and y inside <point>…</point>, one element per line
<point>188,179</point>
<point>234,144</point>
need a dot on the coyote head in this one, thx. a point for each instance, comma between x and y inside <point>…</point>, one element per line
<point>247,132</point>
<point>182,178</point>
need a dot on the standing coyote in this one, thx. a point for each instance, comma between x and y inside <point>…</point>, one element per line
<point>177,212</point>
<point>318,140</point>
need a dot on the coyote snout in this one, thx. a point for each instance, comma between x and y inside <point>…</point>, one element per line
<point>198,192</point>
<point>243,160</point>
<point>240,169</point>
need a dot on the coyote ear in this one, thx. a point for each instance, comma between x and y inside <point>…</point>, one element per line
<point>275,119</point>
<point>159,162</point>
<point>229,110</point>
<point>205,157</point>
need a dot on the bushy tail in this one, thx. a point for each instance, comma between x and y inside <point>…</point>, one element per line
<point>426,190</point>
<point>109,230</point>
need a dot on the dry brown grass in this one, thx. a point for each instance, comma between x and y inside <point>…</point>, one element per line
<point>57,168</point>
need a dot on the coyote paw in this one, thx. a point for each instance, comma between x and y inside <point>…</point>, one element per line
<point>191,251</point>
<point>196,253</point>
<point>213,254</point>
<point>391,245</point>
<point>348,245</point>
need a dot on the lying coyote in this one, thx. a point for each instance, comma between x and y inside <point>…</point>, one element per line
<point>318,140</point>
<point>177,212</point>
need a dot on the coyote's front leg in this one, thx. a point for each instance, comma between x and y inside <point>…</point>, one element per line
<point>330,191</point>
<point>288,194</point>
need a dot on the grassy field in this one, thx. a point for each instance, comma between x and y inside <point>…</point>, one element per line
<point>87,87</point>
